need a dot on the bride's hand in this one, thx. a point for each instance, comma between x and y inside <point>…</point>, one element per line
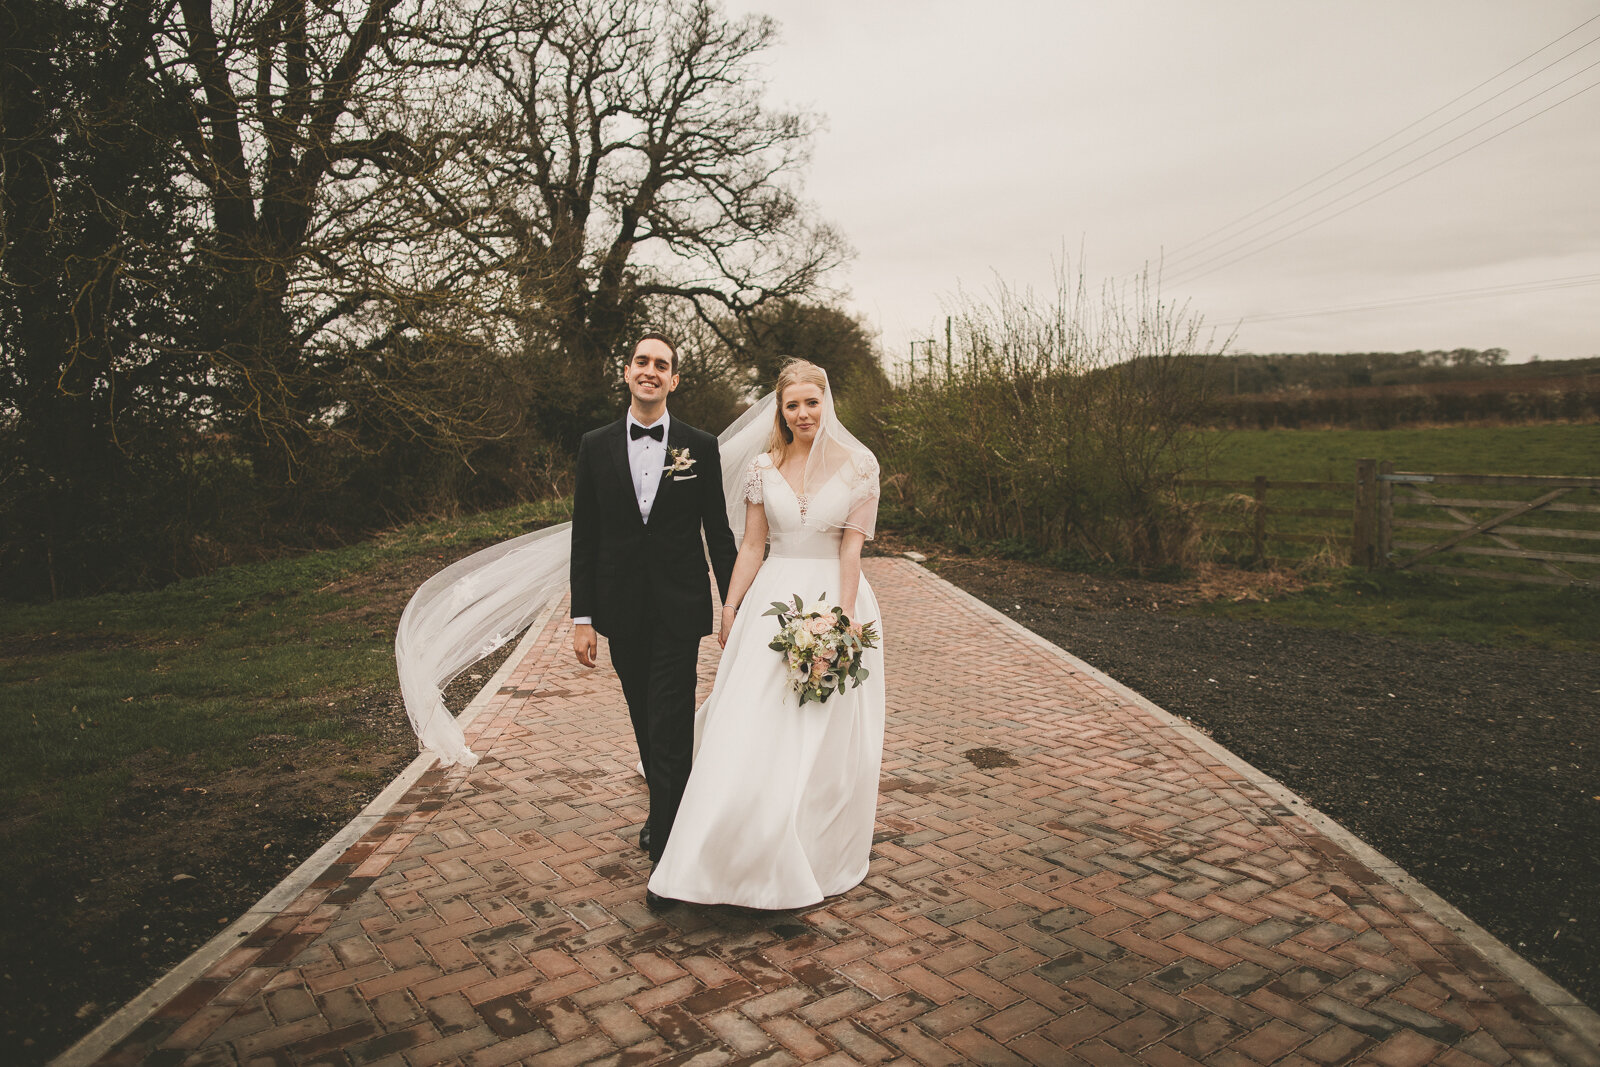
<point>727,625</point>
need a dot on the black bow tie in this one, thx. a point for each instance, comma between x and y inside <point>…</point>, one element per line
<point>636,431</point>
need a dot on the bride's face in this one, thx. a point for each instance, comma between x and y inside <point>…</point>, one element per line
<point>802,411</point>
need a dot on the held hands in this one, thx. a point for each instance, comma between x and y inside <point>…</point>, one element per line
<point>584,644</point>
<point>728,614</point>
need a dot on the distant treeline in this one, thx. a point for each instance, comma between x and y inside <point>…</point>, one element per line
<point>1378,390</point>
<point>1277,372</point>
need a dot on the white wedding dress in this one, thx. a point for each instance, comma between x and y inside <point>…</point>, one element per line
<point>780,805</point>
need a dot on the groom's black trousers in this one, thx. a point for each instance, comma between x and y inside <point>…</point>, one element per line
<point>657,671</point>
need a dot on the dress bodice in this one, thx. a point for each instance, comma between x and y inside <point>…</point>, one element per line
<point>799,525</point>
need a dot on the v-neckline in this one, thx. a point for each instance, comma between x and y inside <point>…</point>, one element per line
<point>799,497</point>
<point>796,493</point>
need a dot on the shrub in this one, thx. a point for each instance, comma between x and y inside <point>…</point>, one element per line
<point>1059,423</point>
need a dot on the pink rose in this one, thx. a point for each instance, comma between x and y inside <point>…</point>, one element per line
<point>820,625</point>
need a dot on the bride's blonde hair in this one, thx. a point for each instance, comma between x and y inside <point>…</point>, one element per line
<point>794,372</point>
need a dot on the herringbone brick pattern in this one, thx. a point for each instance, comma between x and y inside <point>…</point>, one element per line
<point>1092,889</point>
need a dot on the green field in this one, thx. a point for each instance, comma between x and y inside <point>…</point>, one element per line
<point>1489,611</point>
<point>1330,455</point>
<point>196,672</point>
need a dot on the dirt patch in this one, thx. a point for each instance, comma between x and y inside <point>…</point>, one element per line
<point>989,758</point>
<point>181,855</point>
<point>1475,769</point>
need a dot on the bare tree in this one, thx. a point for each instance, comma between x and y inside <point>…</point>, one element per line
<point>312,150</point>
<point>635,165</point>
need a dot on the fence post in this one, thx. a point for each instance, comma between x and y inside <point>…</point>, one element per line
<point>1362,552</point>
<point>949,365</point>
<point>1261,518</point>
<point>1386,517</point>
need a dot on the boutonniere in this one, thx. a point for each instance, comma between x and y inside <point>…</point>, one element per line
<point>679,462</point>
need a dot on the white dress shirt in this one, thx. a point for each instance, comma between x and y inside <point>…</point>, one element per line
<point>647,459</point>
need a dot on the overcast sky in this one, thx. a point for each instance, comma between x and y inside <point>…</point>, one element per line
<point>966,141</point>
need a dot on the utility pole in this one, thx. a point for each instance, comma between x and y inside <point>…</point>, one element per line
<point>949,367</point>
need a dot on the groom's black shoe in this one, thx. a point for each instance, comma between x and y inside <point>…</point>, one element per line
<point>657,903</point>
<point>644,838</point>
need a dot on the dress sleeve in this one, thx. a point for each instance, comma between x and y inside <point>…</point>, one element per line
<point>864,495</point>
<point>752,478</point>
<point>867,473</point>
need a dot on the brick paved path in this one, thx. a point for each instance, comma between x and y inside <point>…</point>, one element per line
<point>1097,889</point>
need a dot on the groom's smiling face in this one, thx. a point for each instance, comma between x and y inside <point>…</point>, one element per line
<point>649,374</point>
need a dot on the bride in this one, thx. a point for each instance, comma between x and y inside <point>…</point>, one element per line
<point>780,804</point>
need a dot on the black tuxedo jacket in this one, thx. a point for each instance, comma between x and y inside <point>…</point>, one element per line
<point>630,576</point>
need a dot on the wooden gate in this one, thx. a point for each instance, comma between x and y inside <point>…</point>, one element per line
<point>1391,502</point>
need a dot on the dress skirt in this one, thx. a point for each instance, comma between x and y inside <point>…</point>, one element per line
<point>781,803</point>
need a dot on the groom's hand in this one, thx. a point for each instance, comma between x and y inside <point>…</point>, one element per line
<point>584,644</point>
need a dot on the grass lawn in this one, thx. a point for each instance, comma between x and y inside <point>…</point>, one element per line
<point>197,672</point>
<point>1482,611</point>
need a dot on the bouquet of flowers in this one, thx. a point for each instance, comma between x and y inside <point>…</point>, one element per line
<point>822,645</point>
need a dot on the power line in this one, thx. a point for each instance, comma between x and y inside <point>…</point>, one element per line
<point>1189,276</point>
<point>1204,244</point>
<point>1403,129</point>
<point>1571,281</point>
<point>1391,136</point>
<point>1188,271</point>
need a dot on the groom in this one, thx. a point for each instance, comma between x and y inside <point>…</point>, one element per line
<point>647,486</point>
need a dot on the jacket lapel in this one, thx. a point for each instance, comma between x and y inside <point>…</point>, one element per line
<point>618,447</point>
<point>675,439</point>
